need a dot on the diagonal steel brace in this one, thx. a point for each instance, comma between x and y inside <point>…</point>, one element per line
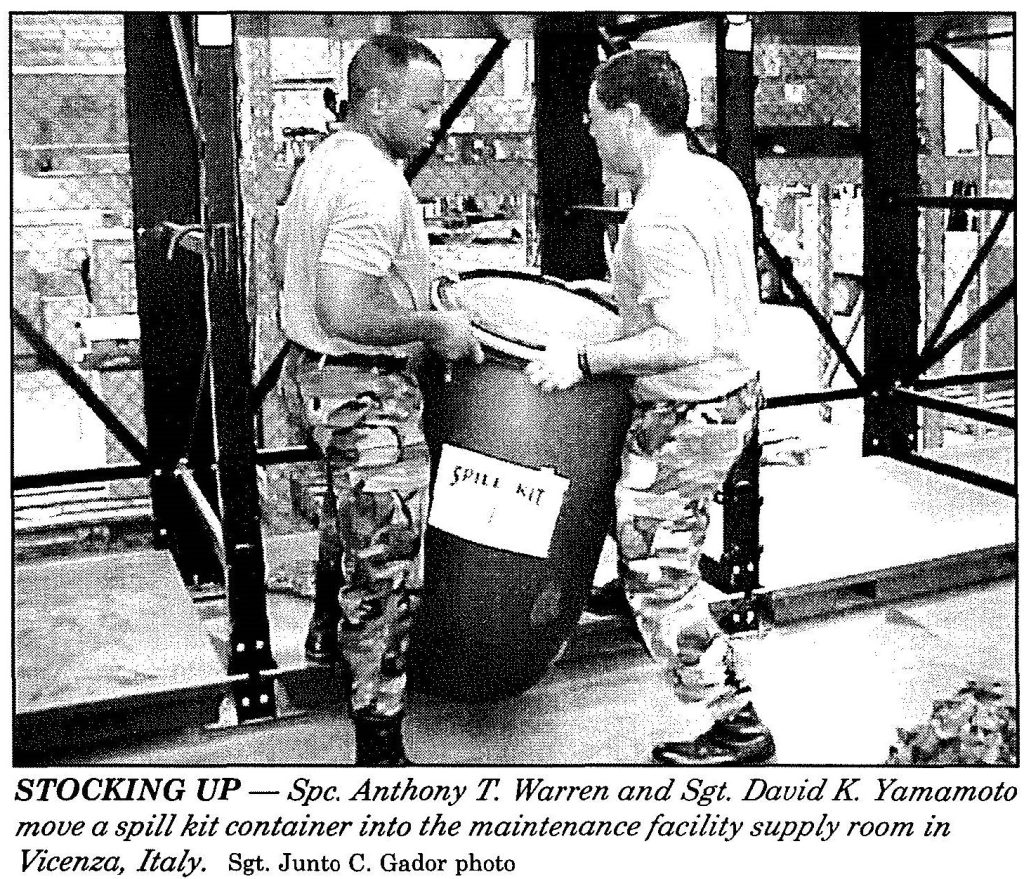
<point>458,104</point>
<point>968,279</point>
<point>823,326</point>
<point>49,355</point>
<point>979,86</point>
<point>926,360</point>
<point>270,377</point>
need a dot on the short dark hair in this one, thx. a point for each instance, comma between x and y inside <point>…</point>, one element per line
<point>651,80</point>
<point>378,58</point>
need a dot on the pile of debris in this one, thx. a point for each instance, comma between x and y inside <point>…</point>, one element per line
<point>976,727</point>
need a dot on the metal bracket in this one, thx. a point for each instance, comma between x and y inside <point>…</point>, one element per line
<point>254,698</point>
<point>222,250</point>
<point>729,574</point>
<point>748,614</point>
<point>250,657</point>
<point>189,237</point>
<point>608,43</point>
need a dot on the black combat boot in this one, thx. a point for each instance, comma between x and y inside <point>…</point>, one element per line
<point>737,741</point>
<point>609,600</point>
<point>379,740</point>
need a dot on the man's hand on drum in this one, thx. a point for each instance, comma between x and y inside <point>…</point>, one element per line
<point>454,339</point>
<point>556,369</point>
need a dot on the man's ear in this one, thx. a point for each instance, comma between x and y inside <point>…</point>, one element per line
<point>633,113</point>
<point>377,100</point>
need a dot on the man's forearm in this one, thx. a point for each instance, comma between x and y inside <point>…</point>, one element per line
<point>386,327</point>
<point>356,307</point>
<point>653,351</point>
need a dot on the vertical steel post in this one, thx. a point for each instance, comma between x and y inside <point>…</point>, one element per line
<point>568,167</point>
<point>891,287</point>
<point>734,82</point>
<point>734,56</point>
<point>165,178</point>
<point>934,255</point>
<point>264,183</point>
<point>823,273</point>
<point>983,134</point>
<point>234,429</point>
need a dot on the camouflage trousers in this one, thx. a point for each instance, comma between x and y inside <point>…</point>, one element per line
<point>368,424</point>
<point>676,458</point>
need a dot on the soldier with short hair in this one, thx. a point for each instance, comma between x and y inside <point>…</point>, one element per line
<point>685,280</point>
<point>353,254</point>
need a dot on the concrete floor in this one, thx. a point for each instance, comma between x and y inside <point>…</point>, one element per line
<point>833,690</point>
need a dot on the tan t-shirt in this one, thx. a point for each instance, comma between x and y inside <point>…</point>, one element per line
<point>689,239</point>
<point>350,206</point>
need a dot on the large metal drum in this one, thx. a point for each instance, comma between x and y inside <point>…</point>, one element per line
<point>522,493</point>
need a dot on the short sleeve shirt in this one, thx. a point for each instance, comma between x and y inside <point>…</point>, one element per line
<point>688,242</point>
<point>350,206</point>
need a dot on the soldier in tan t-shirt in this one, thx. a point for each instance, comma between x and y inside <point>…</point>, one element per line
<point>684,278</point>
<point>352,251</point>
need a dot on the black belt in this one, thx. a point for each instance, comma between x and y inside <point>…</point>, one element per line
<point>754,382</point>
<point>743,387</point>
<point>380,362</point>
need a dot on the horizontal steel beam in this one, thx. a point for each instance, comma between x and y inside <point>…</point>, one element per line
<point>783,401</point>
<point>77,477</point>
<point>600,213</point>
<point>968,39</point>
<point>648,23</point>
<point>971,477</point>
<point>949,202</point>
<point>965,378</point>
<point>286,455</point>
<point>954,407</point>
<point>788,170</point>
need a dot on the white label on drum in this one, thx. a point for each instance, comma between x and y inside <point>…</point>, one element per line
<point>489,501</point>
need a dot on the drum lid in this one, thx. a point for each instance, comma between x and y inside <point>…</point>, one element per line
<point>520,314</point>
